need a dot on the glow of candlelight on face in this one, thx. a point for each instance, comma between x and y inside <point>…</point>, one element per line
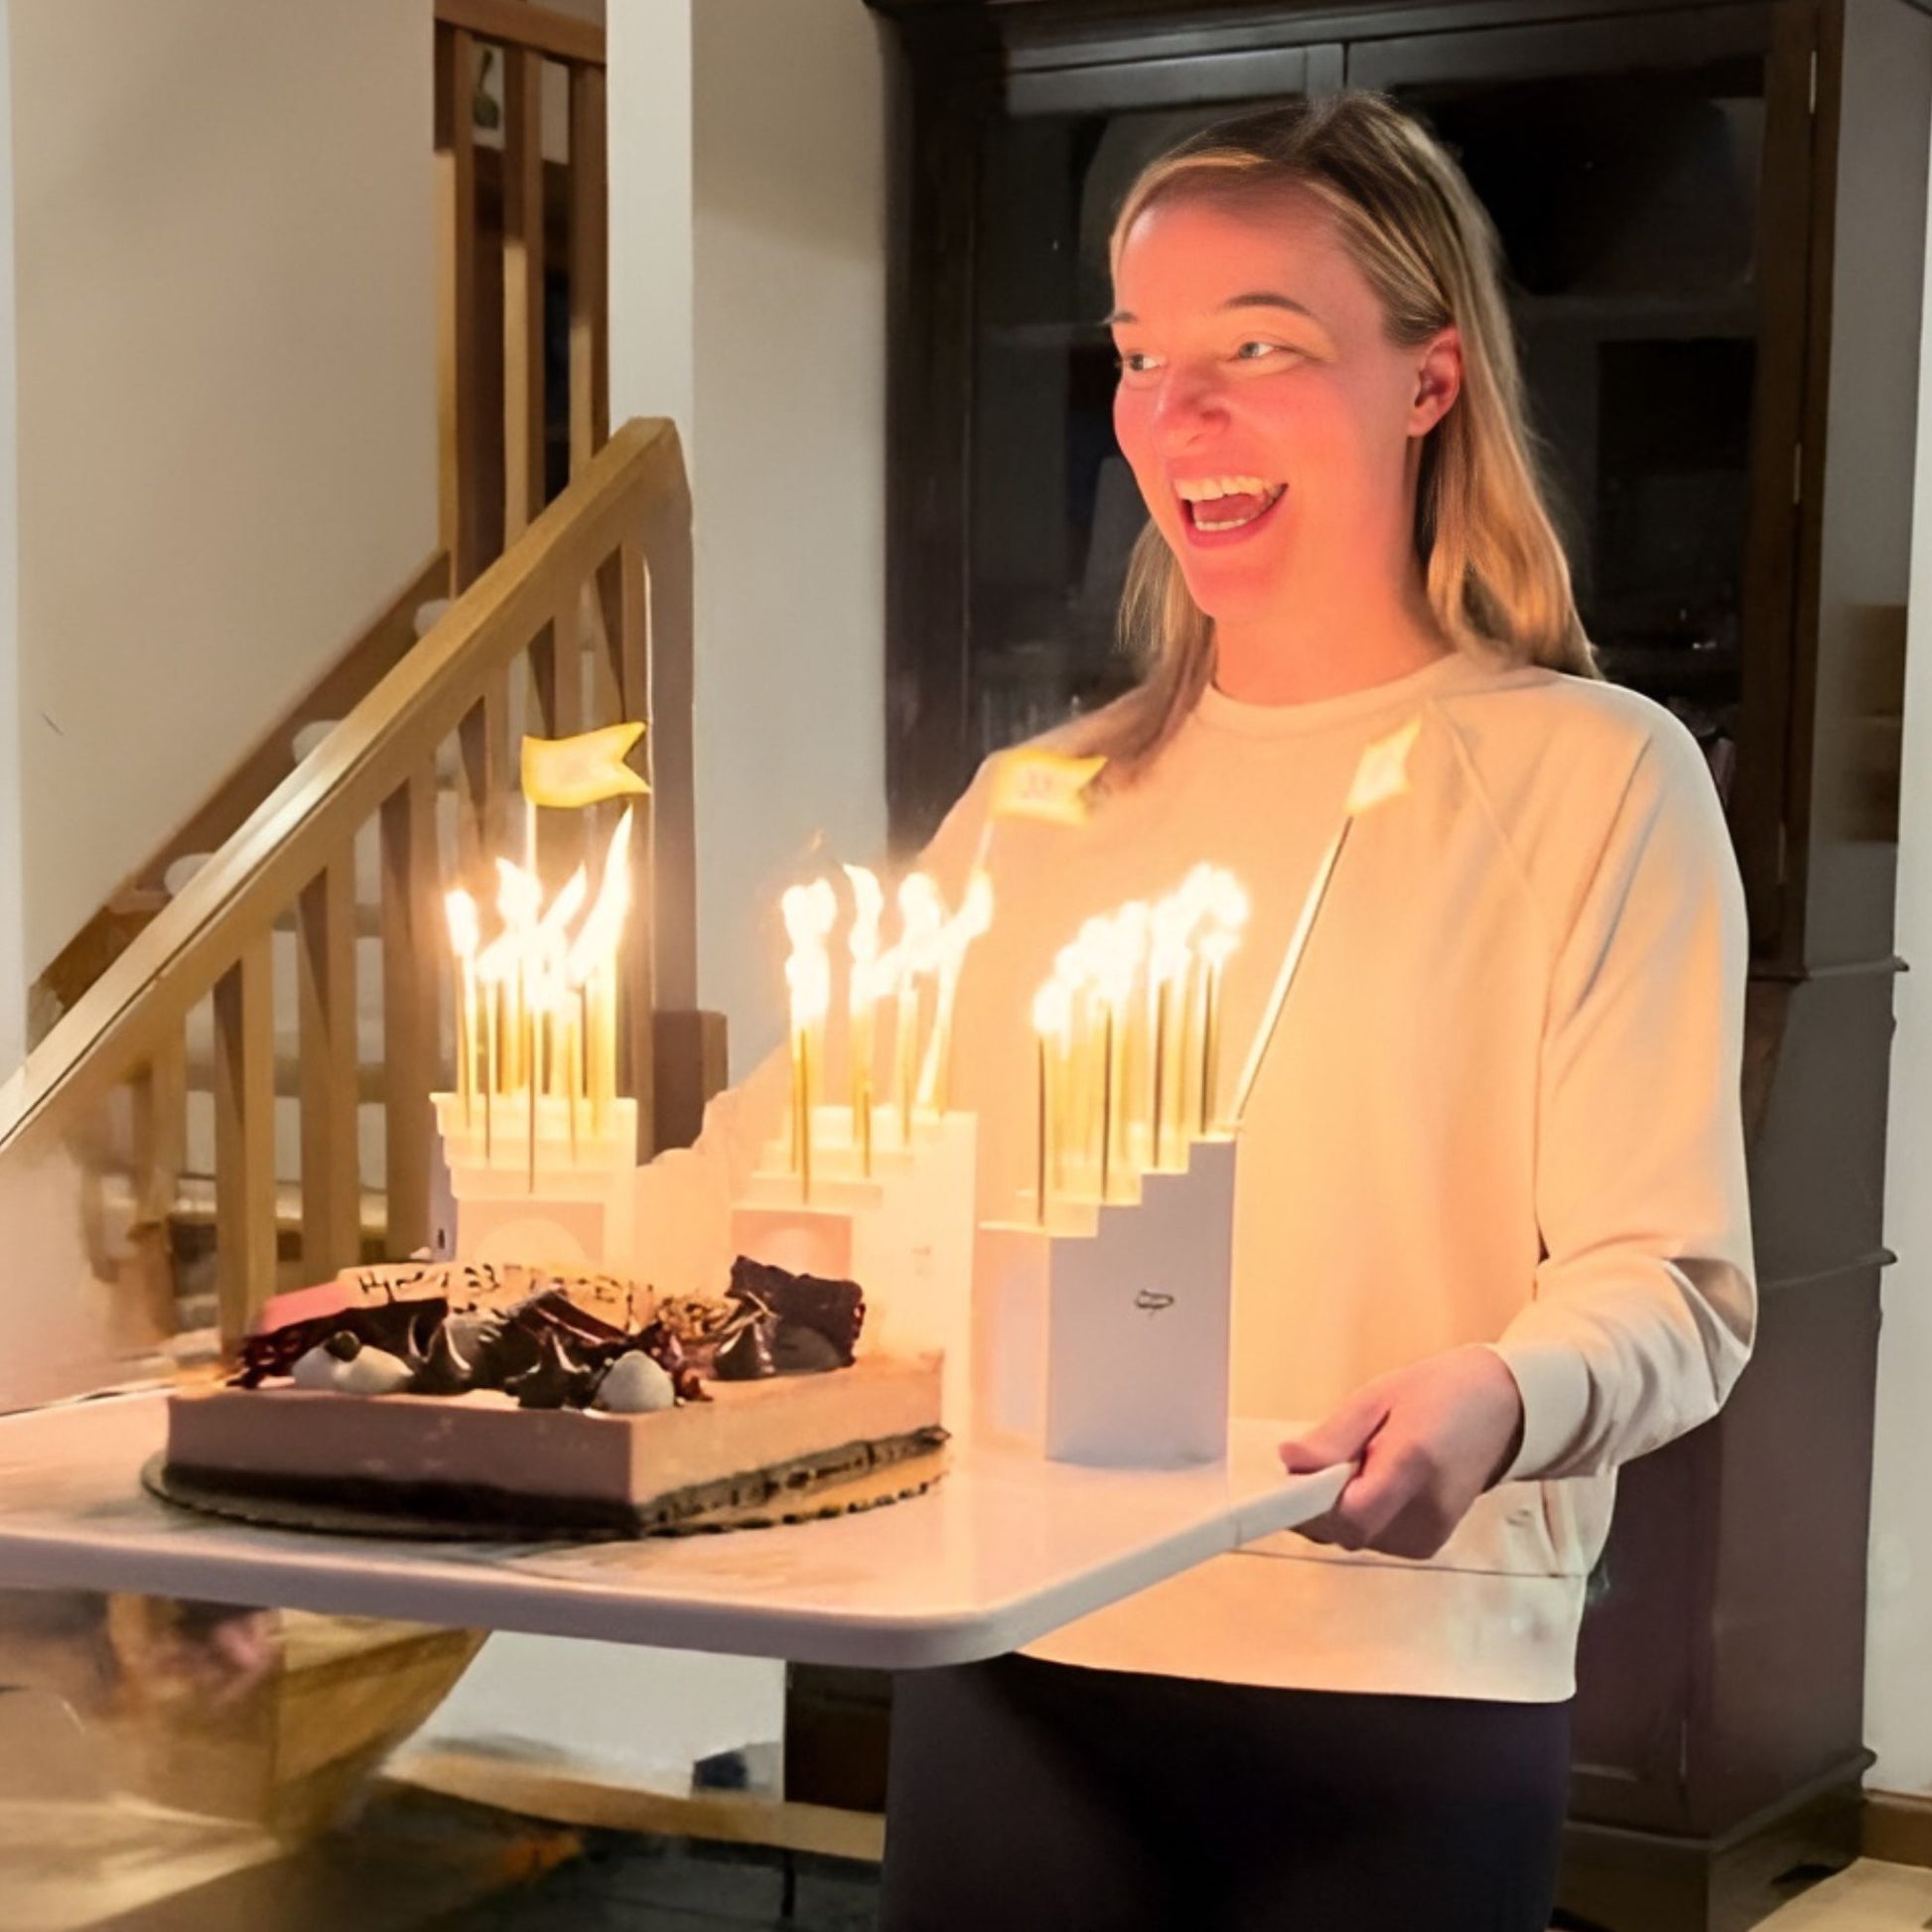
<point>808,913</point>
<point>974,918</point>
<point>863,993</point>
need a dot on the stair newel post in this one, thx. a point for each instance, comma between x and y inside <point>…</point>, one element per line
<point>523,436</point>
<point>244,1135</point>
<point>590,337</point>
<point>461,387</point>
<point>625,629</point>
<point>656,625</point>
<point>410,982</point>
<point>331,1186</point>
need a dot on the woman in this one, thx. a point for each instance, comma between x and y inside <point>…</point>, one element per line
<point>1491,1224</point>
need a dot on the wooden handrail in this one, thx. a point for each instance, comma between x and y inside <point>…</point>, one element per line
<point>135,901</point>
<point>520,22</point>
<point>617,544</point>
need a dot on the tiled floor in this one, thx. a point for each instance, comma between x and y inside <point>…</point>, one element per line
<point>1870,1898</point>
<point>635,1886</point>
<point>638,1885</point>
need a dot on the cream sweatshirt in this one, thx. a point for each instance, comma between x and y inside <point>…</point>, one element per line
<point>1501,1107</point>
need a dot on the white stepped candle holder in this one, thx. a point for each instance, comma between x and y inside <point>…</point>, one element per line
<point>577,1208</point>
<point>904,1234</point>
<point>1104,1335</point>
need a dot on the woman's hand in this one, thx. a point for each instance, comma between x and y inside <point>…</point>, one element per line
<point>1429,1439</point>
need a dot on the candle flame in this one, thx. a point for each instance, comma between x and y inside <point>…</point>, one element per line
<point>923,919</point>
<point>1054,1008</point>
<point>867,906</point>
<point>598,937</point>
<point>809,911</point>
<point>466,932</point>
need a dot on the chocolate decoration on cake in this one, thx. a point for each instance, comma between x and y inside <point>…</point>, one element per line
<point>796,1350</point>
<point>343,1345</point>
<point>557,1382</point>
<point>385,1326</point>
<point>746,1356</point>
<point>443,1368</point>
<point>835,1309</point>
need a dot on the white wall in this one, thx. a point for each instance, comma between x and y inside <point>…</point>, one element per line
<point>228,388</point>
<point>1898,1660</point>
<point>789,141</point>
<point>13,912</point>
<point>747,297</point>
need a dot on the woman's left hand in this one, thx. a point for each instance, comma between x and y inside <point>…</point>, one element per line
<point>1429,1439</point>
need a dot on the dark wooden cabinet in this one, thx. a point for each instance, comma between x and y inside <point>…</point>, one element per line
<point>1715,222</point>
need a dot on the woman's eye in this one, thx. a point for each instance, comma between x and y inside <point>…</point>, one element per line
<point>1257,352</point>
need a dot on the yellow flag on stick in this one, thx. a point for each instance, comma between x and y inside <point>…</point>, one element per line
<point>1048,785</point>
<point>1383,773</point>
<point>581,770</point>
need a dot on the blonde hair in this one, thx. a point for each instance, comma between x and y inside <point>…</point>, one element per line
<point>1496,576</point>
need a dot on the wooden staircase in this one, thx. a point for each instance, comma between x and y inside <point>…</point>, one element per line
<point>260,1058</point>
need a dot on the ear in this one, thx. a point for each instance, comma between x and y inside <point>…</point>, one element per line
<point>1439,380</point>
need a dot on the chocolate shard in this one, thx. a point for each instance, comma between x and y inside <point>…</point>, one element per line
<point>834,1309</point>
<point>443,1368</point>
<point>343,1345</point>
<point>746,1356</point>
<point>558,1381</point>
<point>802,1351</point>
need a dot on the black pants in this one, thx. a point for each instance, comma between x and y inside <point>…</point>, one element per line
<point>1035,1797</point>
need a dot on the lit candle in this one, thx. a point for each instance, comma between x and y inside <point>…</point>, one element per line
<point>591,966</point>
<point>1227,915</point>
<point>1168,929</point>
<point>923,916</point>
<point>1052,1013</point>
<point>520,897</point>
<point>1117,970</point>
<point>974,916</point>
<point>809,911</point>
<point>869,901</point>
<point>464,935</point>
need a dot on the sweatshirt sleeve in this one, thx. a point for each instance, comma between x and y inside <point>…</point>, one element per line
<point>1644,1305</point>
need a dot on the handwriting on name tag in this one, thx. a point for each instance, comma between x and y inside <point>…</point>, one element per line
<point>1151,1300</point>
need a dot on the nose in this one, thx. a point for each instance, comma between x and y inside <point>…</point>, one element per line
<point>1187,405</point>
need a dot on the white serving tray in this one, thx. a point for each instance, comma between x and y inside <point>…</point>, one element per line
<point>1005,1549</point>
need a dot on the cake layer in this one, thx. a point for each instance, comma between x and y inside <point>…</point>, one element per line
<point>484,1444</point>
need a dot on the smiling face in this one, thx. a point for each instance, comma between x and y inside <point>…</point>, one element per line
<point>1274,428</point>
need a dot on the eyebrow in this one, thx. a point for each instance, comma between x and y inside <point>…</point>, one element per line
<point>1254,299</point>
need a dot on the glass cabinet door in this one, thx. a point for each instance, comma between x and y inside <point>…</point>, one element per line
<point>1626,195</point>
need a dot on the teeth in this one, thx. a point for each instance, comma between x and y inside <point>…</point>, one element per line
<point>1245,486</point>
<point>1207,490</point>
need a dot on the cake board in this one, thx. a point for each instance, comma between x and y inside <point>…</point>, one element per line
<point>1005,1548</point>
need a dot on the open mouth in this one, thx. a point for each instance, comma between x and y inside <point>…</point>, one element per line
<point>1220,506</point>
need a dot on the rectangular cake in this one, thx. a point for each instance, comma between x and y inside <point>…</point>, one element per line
<point>468,1400</point>
<point>480,1458</point>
